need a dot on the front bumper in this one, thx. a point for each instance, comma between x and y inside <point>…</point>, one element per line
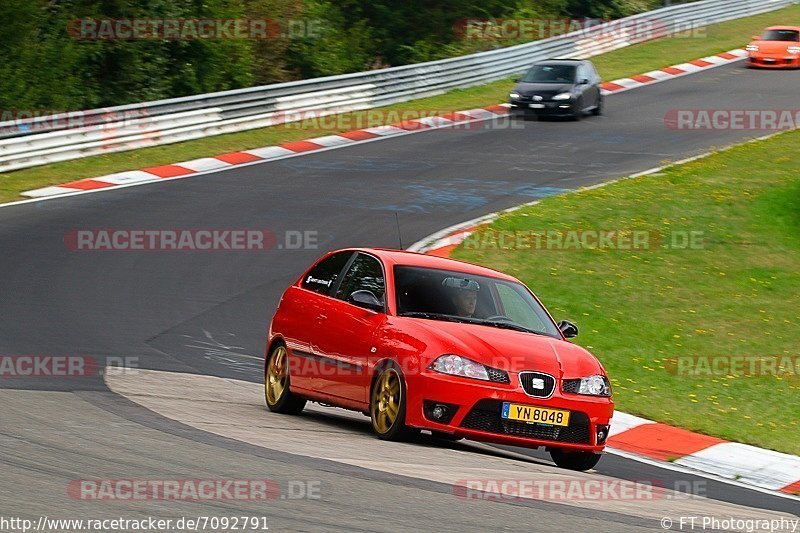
<point>773,61</point>
<point>562,108</point>
<point>477,405</point>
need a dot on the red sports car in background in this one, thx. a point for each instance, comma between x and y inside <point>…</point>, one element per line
<point>779,47</point>
<point>420,342</point>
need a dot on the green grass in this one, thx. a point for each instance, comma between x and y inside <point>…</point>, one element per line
<point>620,63</point>
<point>738,295</point>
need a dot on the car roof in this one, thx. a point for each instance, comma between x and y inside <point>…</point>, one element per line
<point>795,28</point>
<point>560,61</point>
<point>391,257</point>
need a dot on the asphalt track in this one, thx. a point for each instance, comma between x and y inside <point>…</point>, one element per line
<point>205,313</point>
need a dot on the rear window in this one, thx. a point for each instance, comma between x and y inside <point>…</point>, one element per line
<point>781,35</point>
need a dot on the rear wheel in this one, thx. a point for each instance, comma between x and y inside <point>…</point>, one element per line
<point>387,406</point>
<point>276,384</point>
<point>575,460</point>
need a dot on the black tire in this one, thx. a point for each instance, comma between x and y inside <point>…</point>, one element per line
<point>575,460</point>
<point>286,402</point>
<point>396,430</point>
<point>597,111</point>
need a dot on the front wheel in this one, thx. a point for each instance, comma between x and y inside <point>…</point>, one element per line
<point>575,460</point>
<point>387,406</point>
<point>597,111</point>
<point>276,384</point>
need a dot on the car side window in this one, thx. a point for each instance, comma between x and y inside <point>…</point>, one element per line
<point>595,76</point>
<point>322,278</point>
<point>364,274</point>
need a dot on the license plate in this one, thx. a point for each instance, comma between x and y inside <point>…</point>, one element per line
<point>768,60</point>
<point>538,415</point>
<point>537,106</point>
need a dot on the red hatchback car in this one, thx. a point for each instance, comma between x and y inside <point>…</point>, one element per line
<point>420,342</point>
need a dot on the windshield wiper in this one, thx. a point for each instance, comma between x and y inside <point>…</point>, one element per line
<point>431,316</point>
<point>471,320</point>
<point>510,325</point>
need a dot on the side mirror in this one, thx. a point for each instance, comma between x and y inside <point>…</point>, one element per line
<point>585,81</point>
<point>517,80</point>
<point>367,300</point>
<point>568,329</point>
<point>756,37</point>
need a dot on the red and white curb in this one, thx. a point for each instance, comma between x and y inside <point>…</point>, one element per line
<point>328,142</point>
<point>270,153</point>
<point>639,438</point>
<point>675,71</point>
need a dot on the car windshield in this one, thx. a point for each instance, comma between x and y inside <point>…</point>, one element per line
<point>550,74</point>
<point>458,297</point>
<point>781,35</point>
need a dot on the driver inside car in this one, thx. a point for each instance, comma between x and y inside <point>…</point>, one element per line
<point>463,295</point>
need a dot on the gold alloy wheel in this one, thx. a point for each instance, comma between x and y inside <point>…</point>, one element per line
<point>275,381</point>
<point>386,399</point>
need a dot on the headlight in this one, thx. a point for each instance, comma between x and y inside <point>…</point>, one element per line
<point>455,365</point>
<point>514,95</point>
<point>793,49</point>
<point>751,48</point>
<point>594,386</point>
<point>563,96</point>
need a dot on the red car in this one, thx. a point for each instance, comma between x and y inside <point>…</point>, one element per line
<point>779,47</point>
<point>421,342</point>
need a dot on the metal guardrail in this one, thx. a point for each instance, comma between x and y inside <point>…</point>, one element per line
<point>73,135</point>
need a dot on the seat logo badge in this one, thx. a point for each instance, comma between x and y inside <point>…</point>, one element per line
<point>537,98</point>
<point>537,383</point>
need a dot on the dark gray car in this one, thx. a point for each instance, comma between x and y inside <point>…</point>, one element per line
<point>558,87</point>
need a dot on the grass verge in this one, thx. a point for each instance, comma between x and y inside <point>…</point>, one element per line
<point>620,63</point>
<point>738,294</point>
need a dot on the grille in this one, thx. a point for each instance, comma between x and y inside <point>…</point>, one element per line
<point>485,416</point>
<point>497,376</point>
<point>530,379</point>
<point>571,385</point>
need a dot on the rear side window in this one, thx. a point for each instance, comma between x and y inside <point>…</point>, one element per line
<point>322,278</point>
<point>365,274</point>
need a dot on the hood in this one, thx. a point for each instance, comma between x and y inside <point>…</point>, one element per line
<point>542,89</point>
<point>774,47</point>
<point>509,350</point>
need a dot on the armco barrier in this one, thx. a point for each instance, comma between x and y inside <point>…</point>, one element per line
<point>39,141</point>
